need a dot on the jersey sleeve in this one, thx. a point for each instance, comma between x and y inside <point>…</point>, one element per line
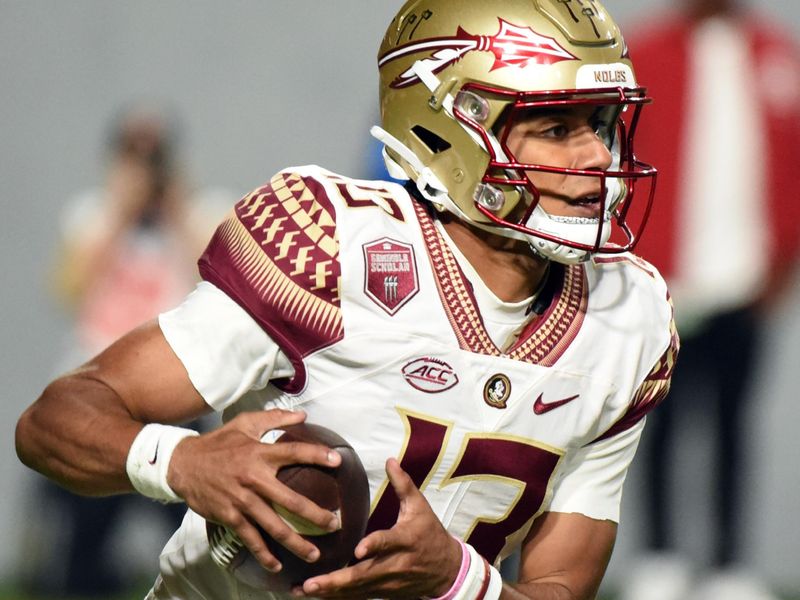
<point>224,351</point>
<point>655,387</point>
<point>591,479</point>
<point>277,256</point>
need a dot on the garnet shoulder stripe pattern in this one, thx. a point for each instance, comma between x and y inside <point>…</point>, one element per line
<point>278,257</point>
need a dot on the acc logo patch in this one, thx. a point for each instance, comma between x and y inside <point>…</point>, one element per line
<point>497,390</point>
<point>430,375</point>
<point>390,274</point>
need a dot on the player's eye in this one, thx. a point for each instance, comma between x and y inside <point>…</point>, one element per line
<point>556,131</point>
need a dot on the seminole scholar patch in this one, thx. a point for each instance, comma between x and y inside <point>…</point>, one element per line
<point>390,273</point>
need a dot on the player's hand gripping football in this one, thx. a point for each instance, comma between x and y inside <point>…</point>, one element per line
<point>228,476</point>
<point>415,558</point>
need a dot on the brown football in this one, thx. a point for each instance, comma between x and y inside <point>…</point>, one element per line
<point>344,489</point>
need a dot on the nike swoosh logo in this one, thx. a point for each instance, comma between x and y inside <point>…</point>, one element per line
<point>540,407</point>
<point>153,460</point>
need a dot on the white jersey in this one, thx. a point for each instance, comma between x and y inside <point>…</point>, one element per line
<point>343,298</point>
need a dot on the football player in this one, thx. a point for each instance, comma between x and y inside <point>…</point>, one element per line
<point>482,336</point>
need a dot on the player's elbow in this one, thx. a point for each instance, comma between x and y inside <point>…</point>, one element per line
<point>27,437</point>
<point>39,429</point>
<point>23,438</point>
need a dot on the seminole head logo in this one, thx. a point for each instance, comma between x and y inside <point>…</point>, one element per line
<point>512,46</point>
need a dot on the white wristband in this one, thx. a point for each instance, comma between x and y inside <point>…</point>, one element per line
<point>476,579</point>
<point>478,584</point>
<point>495,587</point>
<point>148,460</point>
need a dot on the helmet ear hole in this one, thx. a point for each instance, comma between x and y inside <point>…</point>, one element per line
<point>434,143</point>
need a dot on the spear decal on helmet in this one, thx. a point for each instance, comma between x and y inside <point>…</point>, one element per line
<point>512,46</point>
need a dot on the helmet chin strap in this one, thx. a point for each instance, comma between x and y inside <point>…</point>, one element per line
<point>583,231</point>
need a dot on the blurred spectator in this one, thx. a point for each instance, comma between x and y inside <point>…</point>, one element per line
<point>130,248</point>
<point>724,130</point>
<point>128,251</point>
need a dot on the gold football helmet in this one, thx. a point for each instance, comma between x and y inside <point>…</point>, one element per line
<point>454,74</point>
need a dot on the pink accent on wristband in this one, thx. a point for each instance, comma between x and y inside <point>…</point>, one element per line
<point>462,574</point>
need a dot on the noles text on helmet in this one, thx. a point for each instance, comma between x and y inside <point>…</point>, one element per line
<point>455,82</point>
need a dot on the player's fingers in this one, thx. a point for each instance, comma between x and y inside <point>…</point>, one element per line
<point>256,423</point>
<point>270,490</point>
<point>293,453</point>
<point>308,516</point>
<point>341,579</point>
<point>251,537</point>
<point>273,491</point>
<point>378,542</point>
<point>400,480</point>
<point>279,530</point>
<point>301,453</point>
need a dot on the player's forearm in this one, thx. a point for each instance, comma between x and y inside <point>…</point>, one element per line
<point>78,434</point>
<point>540,591</point>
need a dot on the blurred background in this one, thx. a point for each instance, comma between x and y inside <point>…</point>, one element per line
<point>249,87</point>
